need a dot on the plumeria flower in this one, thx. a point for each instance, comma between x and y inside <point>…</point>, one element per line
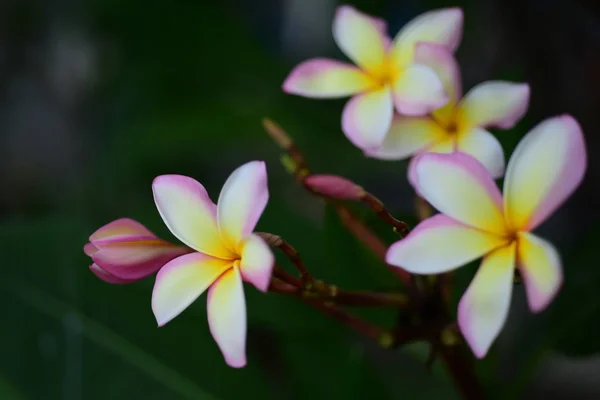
<point>226,252</point>
<point>461,124</point>
<point>125,251</point>
<point>475,221</point>
<point>385,75</point>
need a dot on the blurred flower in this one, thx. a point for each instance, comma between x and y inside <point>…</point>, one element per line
<point>227,252</point>
<point>125,251</point>
<point>460,124</point>
<point>546,167</point>
<point>335,187</point>
<point>387,74</point>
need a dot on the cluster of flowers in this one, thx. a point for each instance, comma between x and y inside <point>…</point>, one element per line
<point>407,102</point>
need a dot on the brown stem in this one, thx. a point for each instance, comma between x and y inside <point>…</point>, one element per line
<point>378,207</point>
<point>461,369</point>
<point>363,327</point>
<point>278,242</point>
<point>287,278</point>
<point>332,294</point>
<point>356,227</point>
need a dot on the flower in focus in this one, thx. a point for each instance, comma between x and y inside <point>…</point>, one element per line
<point>386,75</point>
<point>475,221</point>
<point>226,252</point>
<point>460,124</point>
<point>125,251</point>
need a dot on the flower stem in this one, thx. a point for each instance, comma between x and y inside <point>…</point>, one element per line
<point>278,242</point>
<point>354,226</point>
<point>378,208</point>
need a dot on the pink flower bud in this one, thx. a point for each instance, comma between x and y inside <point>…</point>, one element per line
<point>125,251</point>
<point>335,187</point>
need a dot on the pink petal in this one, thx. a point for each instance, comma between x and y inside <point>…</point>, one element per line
<point>323,78</point>
<point>242,200</point>
<point>367,117</point>
<point>459,186</point>
<point>360,37</point>
<point>257,262</point>
<point>418,91</point>
<point>108,278</point>
<point>483,309</point>
<point>189,213</point>
<point>442,61</point>
<point>443,26</point>
<point>120,227</point>
<point>407,136</point>
<point>545,168</point>
<point>494,104</point>
<point>135,259</point>
<point>540,266</point>
<point>440,244</point>
<point>484,146</point>
<point>227,317</point>
<point>181,281</point>
<point>382,27</point>
<point>89,249</point>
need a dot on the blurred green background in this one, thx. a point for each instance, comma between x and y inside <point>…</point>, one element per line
<point>99,97</point>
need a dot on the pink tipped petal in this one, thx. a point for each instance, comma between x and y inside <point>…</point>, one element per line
<point>440,244</point>
<point>483,309</point>
<point>257,262</point>
<point>407,136</point>
<point>367,117</point>
<point>181,281</point>
<point>484,146</point>
<point>459,186</point>
<point>442,61</point>
<point>242,200</point>
<point>189,213</point>
<point>445,146</point>
<point>442,26</point>
<point>136,259</point>
<point>382,27</point>
<point>108,278</point>
<point>227,317</point>
<point>360,37</point>
<point>323,78</point>
<point>119,228</point>
<point>418,91</point>
<point>89,249</point>
<point>545,168</point>
<point>540,266</point>
<point>494,104</point>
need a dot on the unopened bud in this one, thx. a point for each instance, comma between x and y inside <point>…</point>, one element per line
<point>125,251</point>
<point>335,187</point>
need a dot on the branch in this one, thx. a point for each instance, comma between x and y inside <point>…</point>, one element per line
<point>355,226</point>
<point>278,242</point>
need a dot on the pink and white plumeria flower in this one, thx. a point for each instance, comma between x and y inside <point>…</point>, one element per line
<point>227,252</point>
<point>546,167</point>
<point>386,74</point>
<point>460,124</point>
<point>125,251</point>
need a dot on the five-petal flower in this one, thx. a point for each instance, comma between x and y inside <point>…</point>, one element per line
<point>125,251</point>
<point>386,76</point>
<point>460,124</point>
<point>227,252</point>
<point>546,167</point>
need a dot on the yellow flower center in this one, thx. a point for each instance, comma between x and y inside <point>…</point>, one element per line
<point>386,74</point>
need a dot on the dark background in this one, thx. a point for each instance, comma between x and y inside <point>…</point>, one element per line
<point>99,97</point>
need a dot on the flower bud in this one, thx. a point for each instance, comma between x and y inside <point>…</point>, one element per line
<point>125,251</point>
<point>335,187</point>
